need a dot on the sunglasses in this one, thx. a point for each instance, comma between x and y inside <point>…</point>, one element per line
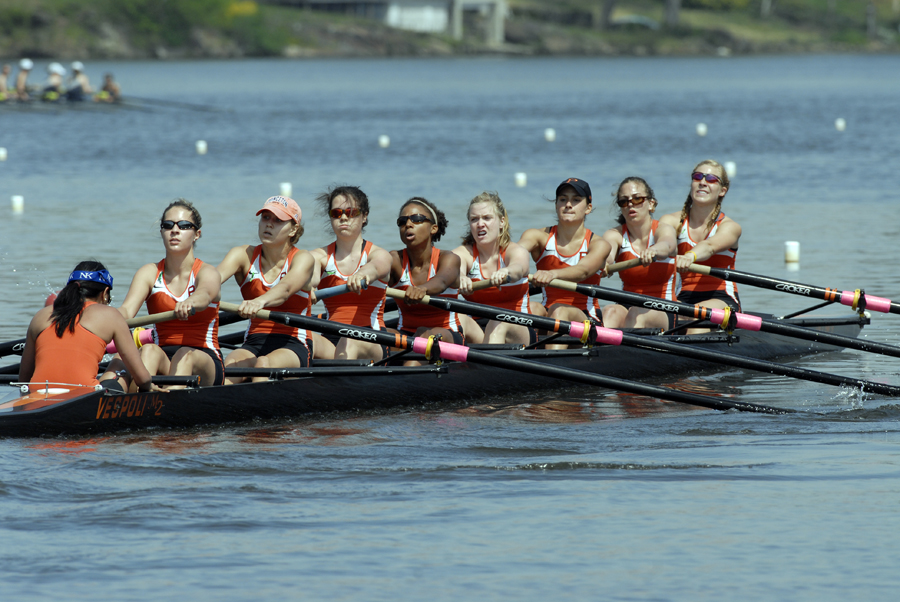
<point>418,218</point>
<point>182,225</point>
<point>349,212</point>
<point>636,201</point>
<point>709,177</point>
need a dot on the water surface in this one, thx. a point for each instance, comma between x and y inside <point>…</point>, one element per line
<point>577,493</point>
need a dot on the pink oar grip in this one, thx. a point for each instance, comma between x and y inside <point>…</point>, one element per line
<point>847,298</point>
<point>748,322</point>
<point>576,329</point>
<point>146,336</point>
<point>449,351</point>
<point>609,336</point>
<point>878,304</point>
<point>743,321</point>
<point>872,302</point>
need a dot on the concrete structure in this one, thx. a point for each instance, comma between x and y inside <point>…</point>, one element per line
<point>495,33</point>
<point>432,16</point>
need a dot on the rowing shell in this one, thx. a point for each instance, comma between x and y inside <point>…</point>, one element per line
<point>352,385</point>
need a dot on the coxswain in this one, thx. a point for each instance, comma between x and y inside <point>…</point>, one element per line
<point>274,274</point>
<point>638,235</point>
<point>488,253</point>
<point>110,92</point>
<point>67,340</point>
<point>188,345</point>
<point>356,262</point>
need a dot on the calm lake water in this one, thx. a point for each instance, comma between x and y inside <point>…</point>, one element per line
<point>560,495</point>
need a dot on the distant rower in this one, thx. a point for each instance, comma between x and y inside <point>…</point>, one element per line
<point>79,84</point>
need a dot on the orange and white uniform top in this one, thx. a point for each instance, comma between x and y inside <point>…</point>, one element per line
<point>365,309</point>
<point>552,259</point>
<point>512,295</point>
<point>692,282</point>
<point>255,285</point>
<point>200,330</point>
<point>659,279</point>
<point>72,359</point>
<point>418,315</point>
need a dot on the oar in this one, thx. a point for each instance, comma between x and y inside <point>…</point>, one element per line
<point>462,353</point>
<point>171,103</point>
<point>728,318</point>
<point>623,265</point>
<point>857,299</point>
<point>610,336</point>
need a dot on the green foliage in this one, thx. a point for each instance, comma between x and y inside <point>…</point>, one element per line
<point>167,21</point>
<point>716,4</point>
<point>14,18</point>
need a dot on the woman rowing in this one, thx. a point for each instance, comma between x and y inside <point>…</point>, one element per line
<point>567,251</point>
<point>273,274</point>
<point>66,341</point>
<point>487,253</point>
<point>356,262</point>
<point>638,235</point>
<point>422,269</point>
<point>190,287</point>
<point>706,236</point>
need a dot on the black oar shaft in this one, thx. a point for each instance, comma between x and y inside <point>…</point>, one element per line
<point>462,353</point>
<point>744,321</point>
<point>850,298</point>
<point>631,340</point>
<point>749,363</point>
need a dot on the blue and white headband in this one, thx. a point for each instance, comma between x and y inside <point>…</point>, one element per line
<point>101,277</point>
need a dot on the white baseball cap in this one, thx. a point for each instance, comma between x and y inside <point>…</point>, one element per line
<point>77,66</point>
<point>26,64</point>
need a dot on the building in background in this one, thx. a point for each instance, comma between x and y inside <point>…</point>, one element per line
<point>432,16</point>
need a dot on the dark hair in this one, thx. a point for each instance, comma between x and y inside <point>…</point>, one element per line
<point>631,180</point>
<point>433,212</point>
<point>353,192</point>
<point>69,303</point>
<point>726,184</point>
<point>184,204</point>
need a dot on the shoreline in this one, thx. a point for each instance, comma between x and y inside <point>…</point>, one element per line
<point>274,31</point>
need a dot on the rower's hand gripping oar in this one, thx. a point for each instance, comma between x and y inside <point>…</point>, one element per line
<point>590,334</point>
<point>858,300</point>
<point>435,347</point>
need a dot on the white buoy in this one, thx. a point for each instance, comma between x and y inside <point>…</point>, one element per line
<point>701,129</point>
<point>549,134</point>
<point>384,141</point>
<point>792,251</point>
<point>730,168</point>
<point>2,153</point>
<point>521,179</point>
<point>201,147</point>
<point>18,203</point>
<point>840,124</point>
<point>286,189</point>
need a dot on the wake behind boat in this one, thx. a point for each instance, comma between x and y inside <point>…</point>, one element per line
<point>329,386</point>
